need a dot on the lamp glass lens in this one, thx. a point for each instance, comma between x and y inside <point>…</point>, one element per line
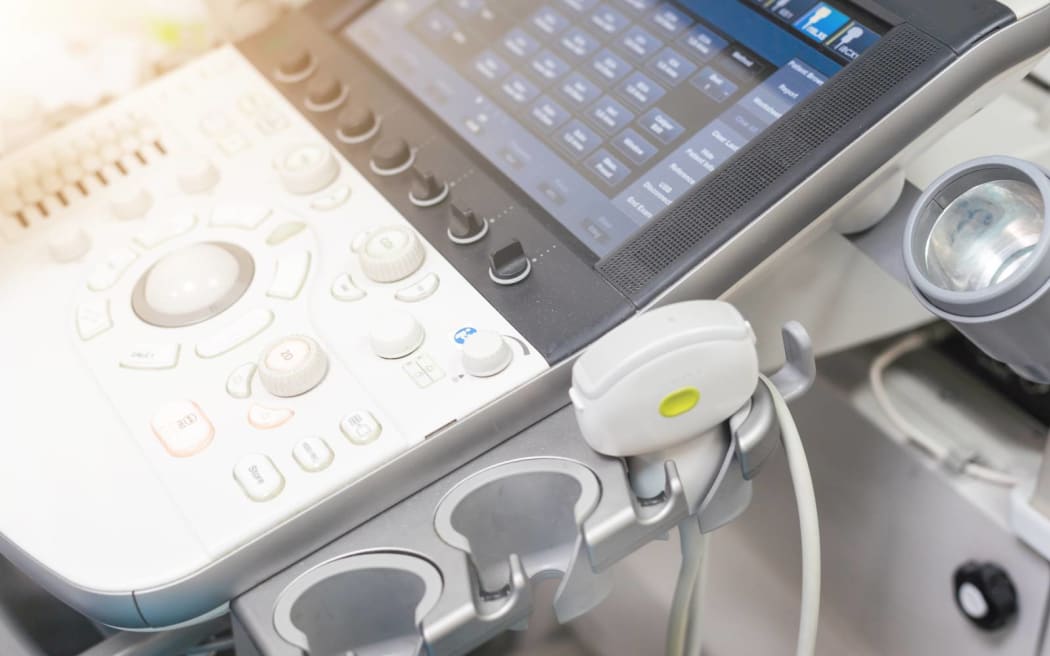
<point>985,236</point>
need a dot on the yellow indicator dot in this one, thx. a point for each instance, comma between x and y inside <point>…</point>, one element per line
<point>680,402</point>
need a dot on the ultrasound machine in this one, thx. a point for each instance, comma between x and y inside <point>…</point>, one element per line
<point>255,304</point>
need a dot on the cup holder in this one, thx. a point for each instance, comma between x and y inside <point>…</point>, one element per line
<point>369,604</point>
<point>531,511</point>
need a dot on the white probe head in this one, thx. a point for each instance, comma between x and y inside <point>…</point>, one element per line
<point>664,378</point>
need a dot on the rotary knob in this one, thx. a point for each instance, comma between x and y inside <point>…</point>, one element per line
<point>130,201</point>
<point>396,334</point>
<point>296,64</point>
<point>68,244</point>
<point>196,174</point>
<point>486,353</point>
<point>392,156</point>
<point>465,226</point>
<point>392,254</point>
<point>293,366</point>
<point>985,595</point>
<point>307,168</point>
<point>325,92</point>
<point>357,124</point>
<point>427,189</point>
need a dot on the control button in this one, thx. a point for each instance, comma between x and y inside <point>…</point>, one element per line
<point>361,427</point>
<point>293,366</point>
<point>427,190</point>
<point>357,124</point>
<point>465,226</point>
<point>130,201</point>
<point>307,168</point>
<point>284,232</point>
<point>396,334</point>
<point>68,243</point>
<point>359,241</point>
<point>259,478</point>
<point>332,199</point>
<point>392,254</point>
<point>509,265</point>
<point>233,335</point>
<point>165,230</point>
<point>313,454</point>
<point>196,174</point>
<point>288,281</point>
<point>345,289</point>
<point>325,92</point>
<point>152,357</point>
<point>392,156</point>
<point>245,217</point>
<point>420,290</point>
<point>985,595</point>
<point>239,384</point>
<point>486,354</point>
<point>296,65</point>
<point>183,429</point>
<point>93,319</point>
<point>264,418</point>
<point>193,284</point>
<point>109,272</point>
<point>423,371</point>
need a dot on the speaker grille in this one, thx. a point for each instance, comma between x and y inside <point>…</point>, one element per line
<point>789,152</point>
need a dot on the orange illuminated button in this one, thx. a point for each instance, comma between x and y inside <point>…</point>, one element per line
<point>183,429</point>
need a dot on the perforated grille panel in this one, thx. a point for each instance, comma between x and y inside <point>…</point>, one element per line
<point>779,160</point>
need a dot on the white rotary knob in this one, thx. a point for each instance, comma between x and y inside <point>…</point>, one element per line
<point>196,174</point>
<point>293,366</point>
<point>68,244</point>
<point>392,254</point>
<point>486,353</point>
<point>130,201</point>
<point>396,334</point>
<point>307,168</point>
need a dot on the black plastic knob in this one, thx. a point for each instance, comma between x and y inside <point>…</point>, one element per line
<point>391,155</point>
<point>295,62</point>
<point>509,265</point>
<point>427,189</point>
<point>356,122</point>
<point>985,595</point>
<point>465,226</point>
<point>324,90</point>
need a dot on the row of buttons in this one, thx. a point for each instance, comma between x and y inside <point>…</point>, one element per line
<point>346,290</point>
<point>262,481</point>
<point>184,430</point>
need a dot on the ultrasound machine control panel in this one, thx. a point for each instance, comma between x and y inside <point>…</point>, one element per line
<point>283,287</point>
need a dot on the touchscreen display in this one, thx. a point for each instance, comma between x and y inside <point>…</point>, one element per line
<point>608,111</point>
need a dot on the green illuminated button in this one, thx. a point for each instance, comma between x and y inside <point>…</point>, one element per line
<point>680,402</point>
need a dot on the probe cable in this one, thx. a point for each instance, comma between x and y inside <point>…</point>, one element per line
<point>940,452</point>
<point>684,628</point>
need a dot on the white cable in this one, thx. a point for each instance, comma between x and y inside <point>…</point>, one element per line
<point>809,525</point>
<point>695,634</point>
<point>940,452</point>
<point>688,575</point>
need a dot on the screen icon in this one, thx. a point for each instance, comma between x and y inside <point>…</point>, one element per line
<point>821,22</point>
<point>790,10</point>
<point>853,42</point>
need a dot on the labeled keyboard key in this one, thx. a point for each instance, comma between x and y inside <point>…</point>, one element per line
<point>611,170</point>
<point>579,139</point>
<point>259,478</point>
